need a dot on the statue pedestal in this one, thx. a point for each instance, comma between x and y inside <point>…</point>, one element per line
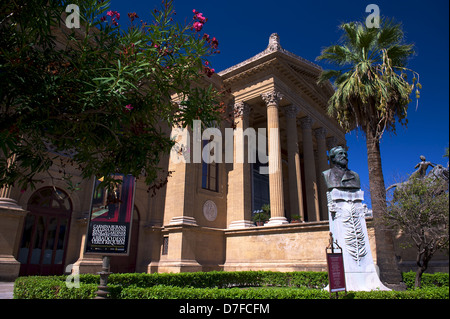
<point>348,226</point>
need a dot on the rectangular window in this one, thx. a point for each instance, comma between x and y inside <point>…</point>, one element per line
<point>210,174</point>
<point>165,248</point>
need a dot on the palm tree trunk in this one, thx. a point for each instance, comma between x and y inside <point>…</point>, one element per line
<point>386,260</point>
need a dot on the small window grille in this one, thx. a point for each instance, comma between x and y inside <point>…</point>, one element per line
<point>165,248</point>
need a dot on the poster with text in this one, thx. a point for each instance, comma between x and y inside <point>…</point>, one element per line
<point>110,216</point>
<point>336,272</point>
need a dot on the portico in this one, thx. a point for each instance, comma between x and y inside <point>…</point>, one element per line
<point>280,93</point>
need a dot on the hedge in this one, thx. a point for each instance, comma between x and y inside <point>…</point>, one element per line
<point>428,280</point>
<point>169,292</point>
<point>223,279</point>
<point>218,285</point>
<point>38,287</point>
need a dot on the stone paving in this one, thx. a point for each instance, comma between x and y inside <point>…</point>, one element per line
<point>6,290</point>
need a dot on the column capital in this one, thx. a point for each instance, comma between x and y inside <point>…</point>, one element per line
<point>320,132</point>
<point>306,122</point>
<point>291,111</point>
<point>272,97</point>
<point>331,142</point>
<point>241,109</point>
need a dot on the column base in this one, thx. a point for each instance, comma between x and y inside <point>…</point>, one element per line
<point>9,203</point>
<point>277,221</point>
<point>183,220</point>
<point>88,265</point>
<point>177,266</point>
<point>9,268</point>
<point>12,217</point>
<point>241,224</point>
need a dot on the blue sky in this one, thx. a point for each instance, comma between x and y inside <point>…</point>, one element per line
<point>305,27</point>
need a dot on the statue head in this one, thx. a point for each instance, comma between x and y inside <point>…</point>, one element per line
<point>422,158</point>
<point>338,157</point>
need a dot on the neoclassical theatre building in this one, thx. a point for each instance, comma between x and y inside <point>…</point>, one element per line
<point>202,219</point>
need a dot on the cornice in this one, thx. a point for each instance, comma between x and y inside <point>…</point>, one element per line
<point>274,48</point>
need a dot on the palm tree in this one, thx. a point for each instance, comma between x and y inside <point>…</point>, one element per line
<point>372,94</point>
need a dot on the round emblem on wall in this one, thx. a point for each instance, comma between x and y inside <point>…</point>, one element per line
<point>210,210</point>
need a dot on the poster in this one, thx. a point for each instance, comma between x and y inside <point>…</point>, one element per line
<point>110,217</point>
<point>336,273</point>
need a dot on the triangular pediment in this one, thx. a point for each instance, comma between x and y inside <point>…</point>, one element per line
<point>298,73</point>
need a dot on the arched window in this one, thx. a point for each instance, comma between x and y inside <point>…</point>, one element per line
<point>45,233</point>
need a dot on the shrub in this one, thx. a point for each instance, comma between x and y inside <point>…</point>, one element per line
<point>218,285</point>
<point>54,287</point>
<point>169,292</point>
<point>428,280</point>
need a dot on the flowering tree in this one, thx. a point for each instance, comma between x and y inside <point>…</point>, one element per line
<point>100,94</point>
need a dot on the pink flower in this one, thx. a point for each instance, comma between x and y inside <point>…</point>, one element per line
<point>113,13</point>
<point>214,43</point>
<point>102,19</point>
<point>208,71</point>
<point>198,26</point>
<point>200,17</point>
<point>129,107</point>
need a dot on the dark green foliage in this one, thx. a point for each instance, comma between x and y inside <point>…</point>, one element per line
<point>428,280</point>
<point>101,95</point>
<point>218,285</point>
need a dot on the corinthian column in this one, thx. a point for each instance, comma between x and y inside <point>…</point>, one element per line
<point>312,192</point>
<point>275,172</point>
<point>295,181</point>
<point>323,166</point>
<point>240,206</point>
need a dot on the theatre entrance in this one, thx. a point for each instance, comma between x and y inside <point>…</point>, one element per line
<point>45,233</point>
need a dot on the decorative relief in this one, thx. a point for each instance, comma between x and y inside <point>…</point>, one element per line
<point>354,234</point>
<point>241,109</point>
<point>271,98</point>
<point>210,210</point>
<point>274,43</point>
<point>347,207</point>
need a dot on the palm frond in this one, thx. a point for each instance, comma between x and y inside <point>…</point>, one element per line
<point>328,75</point>
<point>337,55</point>
<point>371,87</point>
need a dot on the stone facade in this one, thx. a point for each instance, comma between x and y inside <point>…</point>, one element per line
<point>187,227</point>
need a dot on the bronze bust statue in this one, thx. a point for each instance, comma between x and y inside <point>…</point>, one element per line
<point>339,176</point>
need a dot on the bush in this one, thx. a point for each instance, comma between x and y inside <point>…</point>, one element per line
<point>218,285</point>
<point>54,287</point>
<point>422,293</point>
<point>223,279</point>
<point>169,292</point>
<point>428,280</point>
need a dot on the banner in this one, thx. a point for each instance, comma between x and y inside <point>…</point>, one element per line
<point>110,218</point>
